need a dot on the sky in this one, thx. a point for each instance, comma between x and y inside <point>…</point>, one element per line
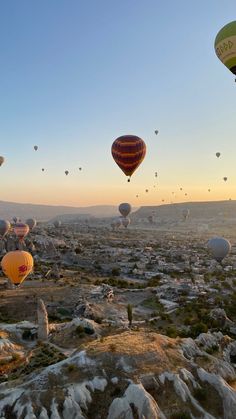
<point>77,74</point>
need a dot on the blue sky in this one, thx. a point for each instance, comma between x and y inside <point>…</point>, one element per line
<point>77,74</point>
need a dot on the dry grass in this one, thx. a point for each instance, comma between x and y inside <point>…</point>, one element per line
<point>143,349</point>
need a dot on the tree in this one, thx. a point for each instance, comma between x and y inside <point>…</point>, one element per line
<point>130,314</point>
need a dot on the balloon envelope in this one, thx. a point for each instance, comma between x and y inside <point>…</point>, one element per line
<point>125,209</point>
<point>128,152</point>
<point>186,213</point>
<point>217,154</point>
<point>1,160</point>
<point>31,222</point>
<point>4,227</point>
<point>21,230</point>
<point>35,147</point>
<point>17,265</point>
<point>219,248</point>
<point>125,222</point>
<point>225,46</point>
<point>57,223</point>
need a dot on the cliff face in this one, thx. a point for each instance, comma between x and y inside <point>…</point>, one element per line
<point>133,374</point>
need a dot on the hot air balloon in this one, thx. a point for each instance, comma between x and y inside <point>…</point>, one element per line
<point>35,147</point>
<point>1,160</point>
<point>217,154</point>
<point>156,131</point>
<point>118,222</point>
<point>4,228</point>
<point>186,213</point>
<point>156,174</point>
<point>136,196</point>
<point>162,200</point>
<point>80,168</point>
<point>180,189</point>
<point>225,46</point>
<point>57,223</point>
<point>21,230</point>
<point>209,190</point>
<point>225,179</point>
<point>42,169</point>
<point>186,194</point>
<point>128,152</point>
<point>146,190</point>
<point>219,248</point>
<point>31,222</point>
<point>125,209</point>
<point>17,266</point>
<point>125,221</point>
<point>66,172</point>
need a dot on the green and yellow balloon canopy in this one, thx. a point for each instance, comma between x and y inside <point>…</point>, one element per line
<point>225,46</point>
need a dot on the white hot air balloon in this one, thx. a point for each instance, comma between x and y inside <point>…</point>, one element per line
<point>125,222</point>
<point>185,213</point>
<point>219,248</point>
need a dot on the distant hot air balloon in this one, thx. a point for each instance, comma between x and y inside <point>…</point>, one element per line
<point>42,169</point>
<point>180,189</point>
<point>15,219</point>
<point>128,152</point>
<point>156,174</point>
<point>162,200</point>
<point>156,131</point>
<point>125,221</point>
<point>186,213</point>
<point>125,209</point>
<point>66,172</point>
<point>57,223</point>
<point>146,190</point>
<point>31,222</point>
<point>209,190</point>
<point>80,168</point>
<point>4,228</point>
<point>118,222</point>
<point>17,266</point>
<point>217,154</point>
<point>35,147</point>
<point>186,194</point>
<point>225,179</point>
<point>136,196</point>
<point>1,160</point>
<point>219,248</point>
<point>21,230</point>
<point>225,46</point>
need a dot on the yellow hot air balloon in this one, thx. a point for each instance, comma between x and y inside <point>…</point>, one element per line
<point>17,265</point>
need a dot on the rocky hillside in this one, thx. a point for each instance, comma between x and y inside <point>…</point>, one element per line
<point>9,210</point>
<point>200,210</point>
<point>131,374</point>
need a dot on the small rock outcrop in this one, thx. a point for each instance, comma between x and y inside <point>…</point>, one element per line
<point>42,321</point>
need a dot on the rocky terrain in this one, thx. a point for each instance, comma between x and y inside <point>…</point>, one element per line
<point>118,324</point>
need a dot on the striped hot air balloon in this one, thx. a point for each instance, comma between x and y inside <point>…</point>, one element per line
<point>21,230</point>
<point>225,46</point>
<point>128,152</point>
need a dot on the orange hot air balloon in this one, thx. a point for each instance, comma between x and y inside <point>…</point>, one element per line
<point>21,230</point>
<point>17,265</point>
<point>128,152</point>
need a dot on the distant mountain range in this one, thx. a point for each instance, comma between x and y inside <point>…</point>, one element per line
<point>8,210</point>
<point>206,210</point>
